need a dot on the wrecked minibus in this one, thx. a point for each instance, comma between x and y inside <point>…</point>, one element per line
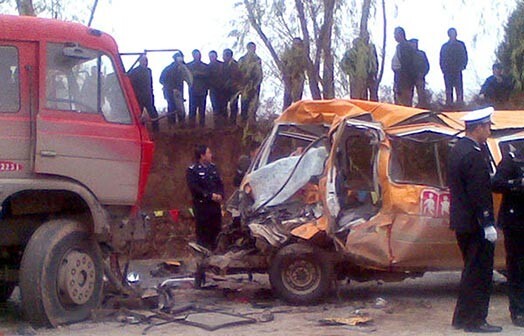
<point>351,189</point>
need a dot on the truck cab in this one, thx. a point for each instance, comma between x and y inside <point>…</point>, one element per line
<point>74,161</point>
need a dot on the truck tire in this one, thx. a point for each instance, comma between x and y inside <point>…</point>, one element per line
<point>61,275</point>
<point>6,289</point>
<point>301,274</point>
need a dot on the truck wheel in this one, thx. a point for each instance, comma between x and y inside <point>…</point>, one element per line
<point>300,274</point>
<point>6,289</point>
<point>60,274</point>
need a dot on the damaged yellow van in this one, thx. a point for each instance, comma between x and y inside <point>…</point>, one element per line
<point>351,189</point>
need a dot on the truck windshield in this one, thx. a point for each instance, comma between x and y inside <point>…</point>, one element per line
<point>87,84</point>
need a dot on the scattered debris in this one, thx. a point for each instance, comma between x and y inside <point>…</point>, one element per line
<point>351,321</point>
<point>216,320</point>
<point>380,303</point>
<point>166,268</point>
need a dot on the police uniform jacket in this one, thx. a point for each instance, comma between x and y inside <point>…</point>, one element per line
<point>469,182</point>
<point>508,182</point>
<point>203,181</point>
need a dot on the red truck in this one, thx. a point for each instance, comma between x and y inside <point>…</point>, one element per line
<point>74,161</point>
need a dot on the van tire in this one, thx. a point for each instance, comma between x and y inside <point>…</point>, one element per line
<point>61,275</point>
<point>301,274</point>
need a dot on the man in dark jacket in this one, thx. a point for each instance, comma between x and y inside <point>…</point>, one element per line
<point>497,88</point>
<point>404,68</point>
<point>472,219</point>
<point>143,85</point>
<point>216,89</point>
<point>509,181</point>
<point>232,84</point>
<point>453,60</point>
<point>207,190</point>
<point>295,62</point>
<point>172,78</point>
<point>198,91</point>
<point>251,68</point>
<point>422,68</point>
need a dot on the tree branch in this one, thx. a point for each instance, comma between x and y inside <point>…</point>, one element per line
<point>383,54</point>
<point>312,70</point>
<point>92,16</point>
<point>25,7</point>
<point>255,24</point>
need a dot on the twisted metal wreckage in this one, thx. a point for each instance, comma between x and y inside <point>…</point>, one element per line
<point>348,188</point>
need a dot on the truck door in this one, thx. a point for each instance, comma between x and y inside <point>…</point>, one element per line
<point>84,128</point>
<point>17,82</point>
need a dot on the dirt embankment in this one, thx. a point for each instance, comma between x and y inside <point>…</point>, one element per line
<point>167,189</point>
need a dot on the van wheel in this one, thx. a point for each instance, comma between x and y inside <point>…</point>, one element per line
<point>301,274</point>
<point>61,274</point>
<point>6,289</point>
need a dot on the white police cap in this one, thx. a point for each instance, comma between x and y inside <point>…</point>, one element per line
<point>478,116</point>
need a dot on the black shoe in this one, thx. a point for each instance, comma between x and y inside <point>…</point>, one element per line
<point>457,325</point>
<point>483,328</point>
<point>518,321</point>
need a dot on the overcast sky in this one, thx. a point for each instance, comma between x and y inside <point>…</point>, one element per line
<point>204,25</point>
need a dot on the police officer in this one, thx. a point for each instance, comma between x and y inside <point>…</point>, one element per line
<point>509,181</point>
<point>207,190</point>
<point>473,221</point>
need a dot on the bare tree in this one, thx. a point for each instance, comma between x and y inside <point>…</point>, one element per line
<point>307,18</point>
<point>384,40</point>
<point>25,7</point>
<point>92,16</point>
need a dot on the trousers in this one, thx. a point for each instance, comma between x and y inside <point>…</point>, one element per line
<point>514,244</point>
<point>208,216</point>
<point>476,282</point>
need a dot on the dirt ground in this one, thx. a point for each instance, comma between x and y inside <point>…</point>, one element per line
<point>420,306</point>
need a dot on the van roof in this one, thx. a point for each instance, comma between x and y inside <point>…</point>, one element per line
<point>28,28</point>
<point>389,115</point>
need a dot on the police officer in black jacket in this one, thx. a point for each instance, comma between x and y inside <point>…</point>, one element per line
<point>208,191</point>
<point>472,219</point>
<point>509,181</point>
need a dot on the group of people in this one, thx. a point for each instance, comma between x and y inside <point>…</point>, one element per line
<point>473,220</point>
<point>410,66</point>
<point>227,83</point>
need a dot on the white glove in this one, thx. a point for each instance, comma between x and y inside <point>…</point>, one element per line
<point>490,233</point>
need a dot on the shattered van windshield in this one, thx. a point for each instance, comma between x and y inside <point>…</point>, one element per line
<point>420,158</point>
<point>289,140</point>
<point>290,157</point>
